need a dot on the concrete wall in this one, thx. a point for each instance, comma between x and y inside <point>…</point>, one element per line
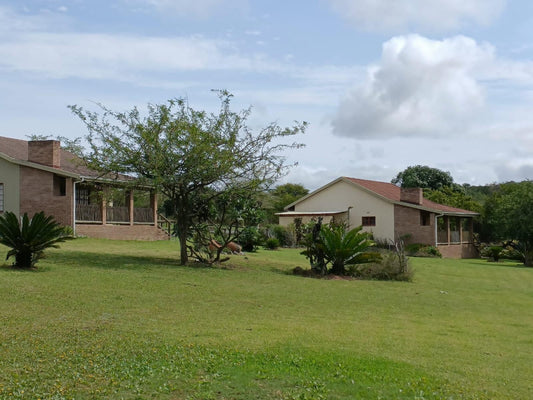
<point>37,194</point>
<point>121,232</point>
<point>10,177</point>
<point>407,222</point>
<point>341,195</point>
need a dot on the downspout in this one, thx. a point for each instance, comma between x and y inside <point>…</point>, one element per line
<point>436,234</point>
<point>348,212</point>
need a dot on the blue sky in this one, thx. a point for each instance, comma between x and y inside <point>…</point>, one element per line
<point>384,84</point>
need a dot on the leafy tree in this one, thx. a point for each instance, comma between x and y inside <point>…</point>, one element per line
<point>509,217</point>
<point>280,197</point>
<point>191,156</point>
<point>424,177</point>
<point>29,239</point>
<point>454,198</point>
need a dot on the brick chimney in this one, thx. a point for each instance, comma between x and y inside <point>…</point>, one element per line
<point>46,152</point>
<point>411,195</point>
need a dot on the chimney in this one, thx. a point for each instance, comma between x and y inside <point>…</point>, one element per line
<point>46,152</point>
<point>411,195</point>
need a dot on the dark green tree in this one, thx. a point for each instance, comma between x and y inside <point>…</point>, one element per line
<point>424,177</point>
<point>190,156</point>
<point>509,217</point>
<point>28,239</point>
<point>280,197</point>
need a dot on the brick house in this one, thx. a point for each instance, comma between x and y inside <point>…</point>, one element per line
<point>40,176</point>
<point>388,212</point>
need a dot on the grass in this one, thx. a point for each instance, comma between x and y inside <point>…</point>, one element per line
<point>109,319</point>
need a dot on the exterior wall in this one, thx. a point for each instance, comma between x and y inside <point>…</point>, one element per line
<point>37,194</point>
<point>407,222</point>
<point>10,177</point>
<point>342,195</point>
<point>121,232</point>
<point>465,250</point>
<point>46,152</point>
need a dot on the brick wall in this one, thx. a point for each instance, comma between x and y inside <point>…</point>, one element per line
<point>37,194</point>
<point>465,250</point>
<point>121,232</point>
<point>407,222</point>
<point>411,195</point>
<point>46,152</point>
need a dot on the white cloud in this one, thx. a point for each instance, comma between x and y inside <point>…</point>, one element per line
<point>432,15</point>
<point>103,56</point>
<point>420,87</point>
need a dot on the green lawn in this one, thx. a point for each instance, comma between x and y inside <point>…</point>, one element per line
<point>104,319</point>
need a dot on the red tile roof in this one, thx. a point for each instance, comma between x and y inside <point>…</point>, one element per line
<point>392,192</point>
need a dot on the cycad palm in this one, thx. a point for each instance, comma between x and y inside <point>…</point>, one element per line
<point>343,248</point>
<point>29,239</point>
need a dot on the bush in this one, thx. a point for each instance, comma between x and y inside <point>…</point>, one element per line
<point>422,250</point>
<point>272,243</point>
<point>388,269</point>
<point>250,239</point>
<point>493,253</point>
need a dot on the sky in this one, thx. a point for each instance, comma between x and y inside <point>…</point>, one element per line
<point>383,84</point>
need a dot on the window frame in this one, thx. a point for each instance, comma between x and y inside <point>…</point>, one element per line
<point>368,220</point>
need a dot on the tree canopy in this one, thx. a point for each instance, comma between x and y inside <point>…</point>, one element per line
<point>424,177</point>
<point>509,216</point>
<point>189,155</point>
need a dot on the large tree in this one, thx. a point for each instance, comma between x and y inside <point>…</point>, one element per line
<point>189,155</point>
<point>281,196</point>
<point>423,176</point>
<point>509,217</point>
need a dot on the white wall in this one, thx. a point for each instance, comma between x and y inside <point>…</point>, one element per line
<point>341,195</point>
<point>10,177</point>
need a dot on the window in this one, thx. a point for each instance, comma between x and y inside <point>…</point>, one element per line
<point>424,218</point>
<point>369,221</point>
<point>1,197</point>
<point>60,186</point>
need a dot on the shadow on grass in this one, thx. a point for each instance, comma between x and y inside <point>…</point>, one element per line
<point>118,261</point>
<point>481,262</point>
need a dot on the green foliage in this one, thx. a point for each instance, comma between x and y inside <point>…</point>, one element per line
<point>453,197</point>
<point>494,253</point>
<point>272,243</point>
<point>423,176</point>
<point>337,247</point>
<point>422,250</point>
<point>29,239</point>
<point>389,268</point>
<point>282,196</point>
<point>509,217</point>
<point>250,238</point>
<point>189,155</point>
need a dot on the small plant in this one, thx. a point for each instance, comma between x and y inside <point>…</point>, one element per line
<point>29,239</point>
<point>494,253</point>
<point>272,243</point>
<point>421,250</point>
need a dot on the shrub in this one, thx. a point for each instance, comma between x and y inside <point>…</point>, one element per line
<point>29,239</point>
<point>272,243</point>
<point>421,250</point>
<point>250,238</point>
<point>388,268</point>
<point>494,253</point>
